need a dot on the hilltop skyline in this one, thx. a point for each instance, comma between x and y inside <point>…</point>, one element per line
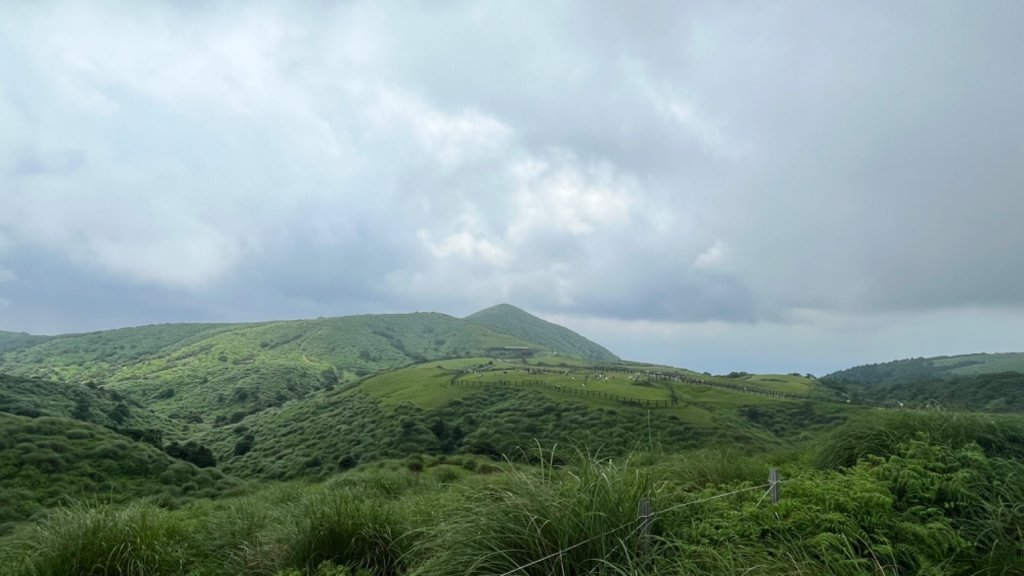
<point>769,188</point>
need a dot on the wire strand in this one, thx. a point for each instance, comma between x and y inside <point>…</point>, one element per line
<point>763,496</point>
<point>638,521</point>
<point>576,545</point>
<point>684,504</point>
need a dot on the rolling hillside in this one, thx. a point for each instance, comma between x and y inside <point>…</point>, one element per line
<point>296,392</point>
<point>511,320</point>
<point>411,420</point>
<point>10,341</point>
<point>33,398</point>
<point>221,373</point>
<point>47,460</point>
<point>500,409</point>
<point>939,367</point>
<point>983,382</point>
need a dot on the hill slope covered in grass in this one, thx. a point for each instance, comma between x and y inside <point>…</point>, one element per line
<point>939,367</point>
<point>46,460</point>
<point>985,382</point>
<point>511,320</point>
<point>220,373</point>
<point>10,341</point>
<point>501,408</point>
<point>32,397</point>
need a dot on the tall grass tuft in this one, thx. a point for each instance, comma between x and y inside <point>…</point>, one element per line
<point>237,539</point>
<point>346,528</point>
<point>137,540</point>
<point>588,511</point>
<point>699,469</point>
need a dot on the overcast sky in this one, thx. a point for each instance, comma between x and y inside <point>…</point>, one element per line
<point>761,186</point>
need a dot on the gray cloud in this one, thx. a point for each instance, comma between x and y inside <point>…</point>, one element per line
<point>736,165</point>
<point>57,163</point>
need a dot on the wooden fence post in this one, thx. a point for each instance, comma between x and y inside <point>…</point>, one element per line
<point>773,480</point>
<point>646,518</point>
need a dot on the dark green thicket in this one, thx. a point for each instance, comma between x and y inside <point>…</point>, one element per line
<point>334,430</point>
<point>995,392</point>
<point>45,461</point>
<point>883,432</point>
<point>926,369</point>
<point>983,382</point>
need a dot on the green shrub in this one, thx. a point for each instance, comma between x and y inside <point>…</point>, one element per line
<point>882,433</point>
<point>138,540</point>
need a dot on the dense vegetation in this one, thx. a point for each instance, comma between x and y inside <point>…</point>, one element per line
<point>932,501</point>
<point>202,372</point>
<point>497,408</point>
<point>998,392</point>
<point>926,369</point>
<point>424,444</point>
<point>10,341</point>
<point>983,382</point>
<point>45,460</point>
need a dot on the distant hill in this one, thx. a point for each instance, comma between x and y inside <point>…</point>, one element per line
<point>14,340</point>
<point>939,367</point>
<point>511,320</point>
<point>987,382</point>
<point>219,373</point>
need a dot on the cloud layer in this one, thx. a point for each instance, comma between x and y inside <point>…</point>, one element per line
<point>746,165</point>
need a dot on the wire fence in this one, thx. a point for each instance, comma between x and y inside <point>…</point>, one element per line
<point>645,521</point>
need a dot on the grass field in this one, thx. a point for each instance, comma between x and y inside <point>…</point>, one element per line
<point>905,504</point>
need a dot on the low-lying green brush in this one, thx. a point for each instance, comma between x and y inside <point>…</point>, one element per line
<point>588,512</point>
<point>96,540</point>
<point>882,433</point>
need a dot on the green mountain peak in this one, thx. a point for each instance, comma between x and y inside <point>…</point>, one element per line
<point>516,322</point>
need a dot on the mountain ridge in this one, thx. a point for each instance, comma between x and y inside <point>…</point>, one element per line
<point>199,372</point>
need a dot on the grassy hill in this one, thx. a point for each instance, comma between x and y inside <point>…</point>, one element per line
<point>312,397</point>
<point>985,382</point>
<point>10,341</point>
<point>501,408</point>
<point>218,374</point>
<point>511,320</point>
<point>939,367</point>
<point>48,460</point>
<point>32,397</point>
<point>452,446</point>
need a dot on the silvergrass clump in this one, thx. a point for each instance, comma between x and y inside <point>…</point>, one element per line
<point>136,540</point>
<point>236,540</point>
<point>587,511</point>
<point>346,528</point>
<point>698,469</point>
